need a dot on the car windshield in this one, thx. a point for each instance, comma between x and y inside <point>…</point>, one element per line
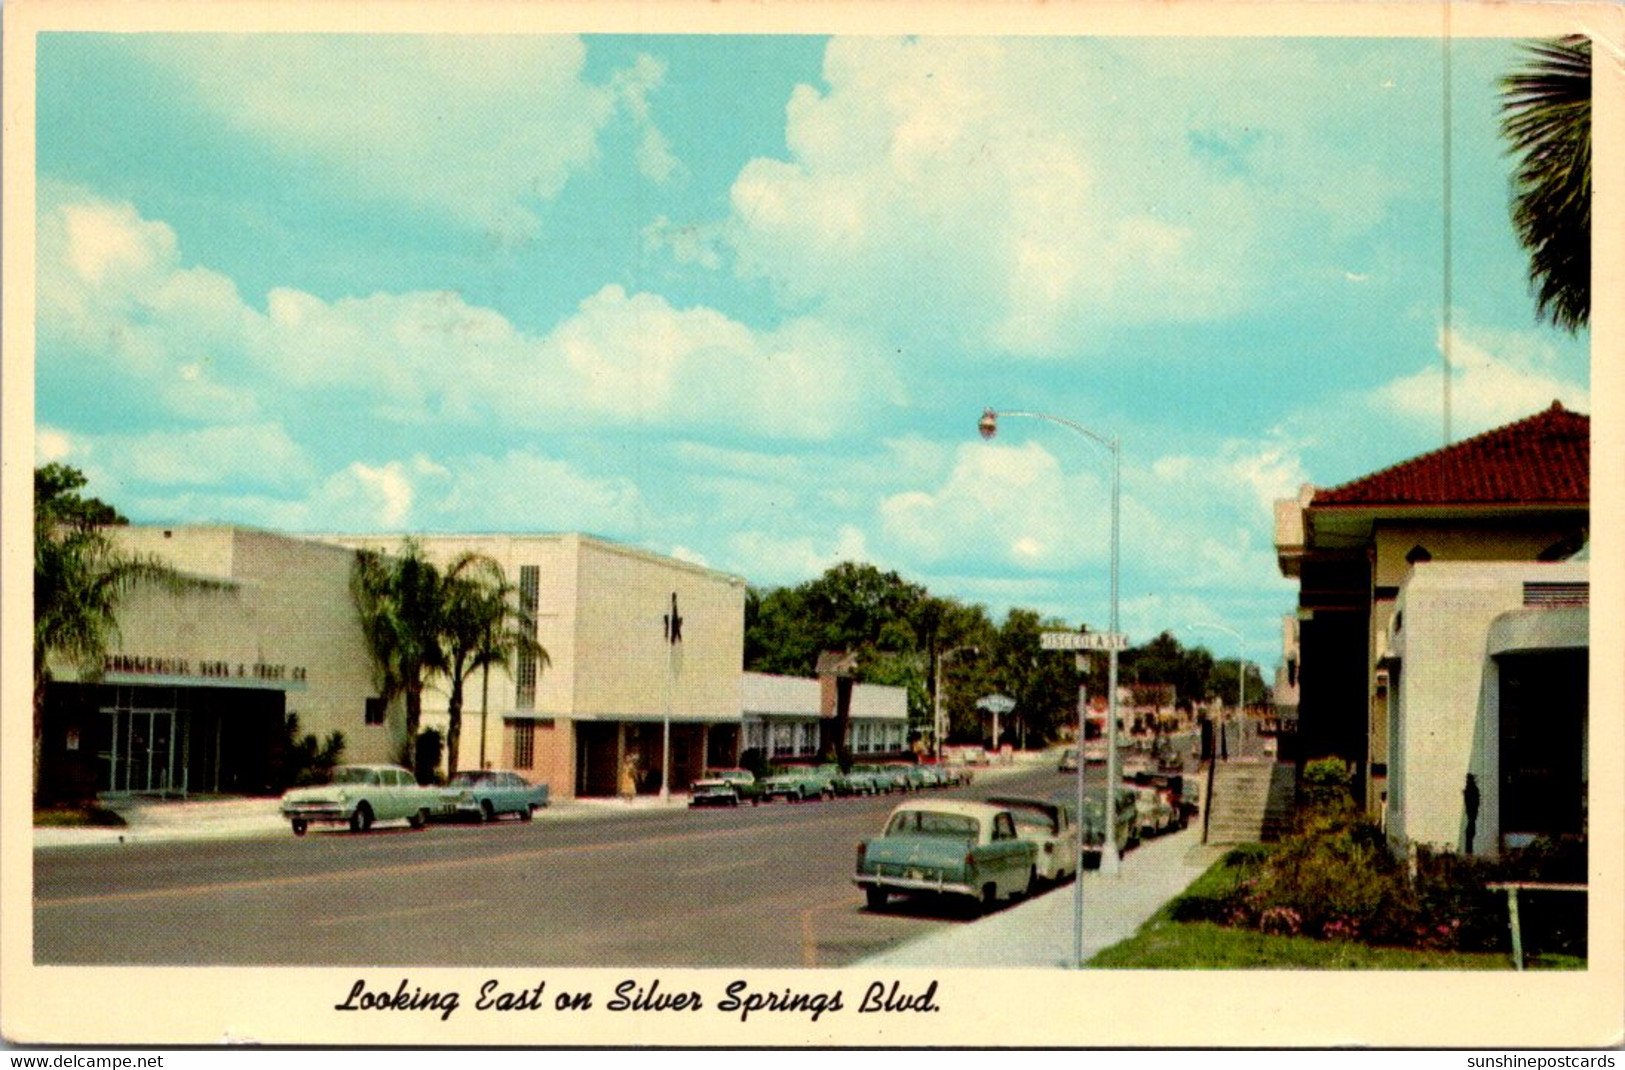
<point>465,780</point>
<point>351,774</point>
<point>931,823</point>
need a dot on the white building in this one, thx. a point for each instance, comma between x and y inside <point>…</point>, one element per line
<point>789,718</point>
<point>1485,668</point>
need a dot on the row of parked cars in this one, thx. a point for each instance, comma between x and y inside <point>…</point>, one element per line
<point>359,795</point>
<point>730,787</point>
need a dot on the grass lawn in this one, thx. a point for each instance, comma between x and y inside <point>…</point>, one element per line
<point>1165,944</point>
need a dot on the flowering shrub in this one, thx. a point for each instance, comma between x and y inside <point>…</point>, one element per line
<point>1341,928</point>
<point>1281,921</point>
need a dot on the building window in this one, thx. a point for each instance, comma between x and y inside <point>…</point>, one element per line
<point>375,711</point>
<point>522,743</point>
<point>530,582</point>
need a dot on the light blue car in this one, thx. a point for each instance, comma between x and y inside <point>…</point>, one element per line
<point>487,794</point>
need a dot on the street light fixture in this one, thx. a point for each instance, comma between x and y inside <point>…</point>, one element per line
<point>938,728</point>
<point>988,426</point>
<point>1241,675</point>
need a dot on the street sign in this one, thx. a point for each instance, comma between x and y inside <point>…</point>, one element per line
<point>1083,641</point>
<point>996,703</point>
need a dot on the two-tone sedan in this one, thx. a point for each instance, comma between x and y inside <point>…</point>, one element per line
<point>725,787</point>
<point>969,850</point>
<point>487,794</point>
<point>796,785</point>
<point>1053,829</point>
<point>359,795</point>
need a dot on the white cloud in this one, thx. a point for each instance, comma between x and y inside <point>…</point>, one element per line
<point>1496,377</point>
<point>480,128</point>
<point>51,444</point>
<point>1019,194</point>
<point>529,492</point>
<point>772,560</point>
<point>620,359</point>
<point>1011,505</point>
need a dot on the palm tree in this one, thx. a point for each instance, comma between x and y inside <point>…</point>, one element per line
<point>80,576</point>
<point>484,625</point>
<point>1546,116</point>
<point>401,602</point>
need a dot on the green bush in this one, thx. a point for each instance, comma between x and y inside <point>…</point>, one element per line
<point>1326,787</point>
<point>1337,876</point>
<point>301,760</point>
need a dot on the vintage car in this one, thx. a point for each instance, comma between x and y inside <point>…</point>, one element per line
<point>1154,815</point>
<point>947,847</point>
<point>1094,752</point>
<point>1092,823</point>
<point>725,787</point>
<point>888,778</point>
<point>487,794</point>
<point>1069,760</point>
<point>359,795</point>
<point>1137,769</point>
<point>911,775</point>
<point>852,782</point>
<point>796,785</point>
<point>1053,829</point>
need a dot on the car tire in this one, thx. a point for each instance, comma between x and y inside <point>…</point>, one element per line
<point>361,820</point>
<point>990,898</point>
<point>419,820</point>
<point>1032,883</point>
<point>875,898</point>
<point>299,826</point>
<point>527,813</point>
<point>487,812</point>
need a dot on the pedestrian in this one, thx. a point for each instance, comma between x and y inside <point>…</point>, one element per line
<point>629,777</point>
<point>1469,799</point>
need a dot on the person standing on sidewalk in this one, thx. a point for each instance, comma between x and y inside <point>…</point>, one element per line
<point>629,777</point>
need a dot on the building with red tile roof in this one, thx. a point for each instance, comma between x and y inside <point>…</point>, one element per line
<point>1518,493</point>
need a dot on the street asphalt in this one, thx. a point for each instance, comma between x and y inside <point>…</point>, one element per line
<point>1040,933</point>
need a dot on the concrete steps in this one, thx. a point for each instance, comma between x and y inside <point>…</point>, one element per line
<point>1252,802</point>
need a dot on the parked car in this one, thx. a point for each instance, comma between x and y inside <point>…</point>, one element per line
<point>359,795</point>
<point>948,847</point>
<point>724,787</point>
<point>1095,753</point>
<point>1053,829</point>
<point>1092,823</point>
<point>1137,769</point>
<point>796,785</point>
<point>911,775</point>
<point>1153,814</point>
<point>487,794</point>
<point>1069,760</point>
<point>852,782</point>
<point>952,776</point>
<point>862,780</point>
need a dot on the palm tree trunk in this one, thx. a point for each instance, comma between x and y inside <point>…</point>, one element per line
<point>454,722</point>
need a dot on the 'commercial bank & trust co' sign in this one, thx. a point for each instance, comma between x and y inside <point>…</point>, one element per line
<point>257,672</point>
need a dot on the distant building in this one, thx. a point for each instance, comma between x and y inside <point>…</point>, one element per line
<point>1519,493</point>
<point>788,718</point>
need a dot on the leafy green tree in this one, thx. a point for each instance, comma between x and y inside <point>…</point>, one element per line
<point>401,603</point>
<point>1546,118</point>
<point>483,625</point>
<point>80,577</point>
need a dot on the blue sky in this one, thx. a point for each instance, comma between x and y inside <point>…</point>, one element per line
<point>742,299</point>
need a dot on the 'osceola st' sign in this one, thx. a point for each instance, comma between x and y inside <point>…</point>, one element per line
<point>1083,641</point>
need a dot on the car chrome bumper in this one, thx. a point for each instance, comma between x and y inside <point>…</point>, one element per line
<point>914,884</point>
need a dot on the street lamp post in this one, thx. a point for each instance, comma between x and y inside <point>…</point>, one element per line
<point>1241,674</point>
<point>988,425</point>
<point>938,729</point>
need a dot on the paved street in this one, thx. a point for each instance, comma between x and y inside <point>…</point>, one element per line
<point>766,886</point>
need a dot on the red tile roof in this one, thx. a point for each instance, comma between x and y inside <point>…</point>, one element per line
<point>1544,459</point>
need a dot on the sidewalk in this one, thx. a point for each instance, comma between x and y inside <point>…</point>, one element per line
<point>1041,933</point>
<point>157,820</point>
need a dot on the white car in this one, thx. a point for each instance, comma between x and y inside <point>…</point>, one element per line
<point>359,795</point>
<point>1153,813</point>
<point>1052,829</point>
